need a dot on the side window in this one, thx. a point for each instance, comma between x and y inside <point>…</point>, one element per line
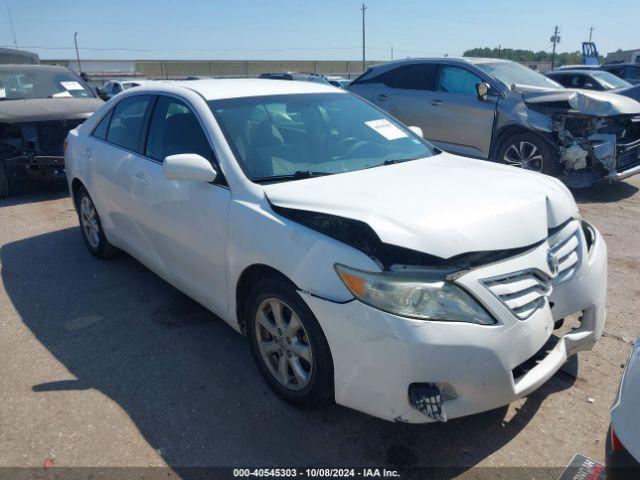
<point>175,129</point>
<point>101,130</point>
<point>577,81</point>
<point>457,80</point>
<point>418,76</point>
<point>564,80</point>
<point>127,122</point>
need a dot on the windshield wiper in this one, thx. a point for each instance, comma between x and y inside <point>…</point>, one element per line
<point>292,176</point>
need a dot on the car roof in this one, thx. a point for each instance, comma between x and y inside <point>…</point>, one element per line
<point>575,70</point>
<point>216,89</point>
<point>31,68</point>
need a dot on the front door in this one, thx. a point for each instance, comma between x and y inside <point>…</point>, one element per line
<point>459,121</point>
<point>184,221</point>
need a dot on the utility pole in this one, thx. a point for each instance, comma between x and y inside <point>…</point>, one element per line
<point>13,32</point>
<point>391,53</point>
<point>75,40</point>
<point>590,33</point>
<point>363,9</point>
<point>555,39</point>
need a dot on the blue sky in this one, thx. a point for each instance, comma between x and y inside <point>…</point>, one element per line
<point>310,29</point>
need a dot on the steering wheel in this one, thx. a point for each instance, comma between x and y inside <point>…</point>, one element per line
<point>346,142</point>
<point>363,144</point>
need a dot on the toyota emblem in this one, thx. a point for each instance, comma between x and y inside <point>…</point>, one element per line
<point>552,261</point>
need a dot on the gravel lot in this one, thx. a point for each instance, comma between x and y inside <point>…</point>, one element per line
<point>104,364</point>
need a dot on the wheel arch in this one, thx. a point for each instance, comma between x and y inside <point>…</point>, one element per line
<point>513,129</point>
<point>249,276</point>
<point>76,185</point>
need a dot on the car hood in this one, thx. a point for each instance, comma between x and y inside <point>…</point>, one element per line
<point>443,205</point>
<point>602,104</point>
<point>632,92</point>
<point>45,109</point>
<point>624,413</point>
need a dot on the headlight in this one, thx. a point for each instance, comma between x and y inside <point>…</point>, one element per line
<point>415,296</point>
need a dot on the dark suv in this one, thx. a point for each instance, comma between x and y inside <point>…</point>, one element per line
<point>39,104</point>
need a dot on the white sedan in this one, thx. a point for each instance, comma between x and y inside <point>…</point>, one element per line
<point>364,265</point>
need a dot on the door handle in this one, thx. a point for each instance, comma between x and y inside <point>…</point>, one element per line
<point>436,102</point>
<point>382,97</point>
<point>140,178</point>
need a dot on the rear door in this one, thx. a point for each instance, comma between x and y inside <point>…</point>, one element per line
<point>406,92</point>
<point>115,151</point>
<point>184,222</point>
<point>459,121</point>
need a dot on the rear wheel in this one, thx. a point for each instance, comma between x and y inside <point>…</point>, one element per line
<point>4,179</point>
<point>91,227</point>
<point>529,151</point>
<point>288,344</point>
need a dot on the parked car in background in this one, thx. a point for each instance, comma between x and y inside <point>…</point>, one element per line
<point>588,79</point>
<point>364,265</point>
<point>303,77</point>
<point>595,80</point>
<point>12,56</point>
<point>39,104</point>
<point>627,71</point>
<point>623,439</point>
<point>337,81</point>
<point>500,110</point>
<point>114,87</point>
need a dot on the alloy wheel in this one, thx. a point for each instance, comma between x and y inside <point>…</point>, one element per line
<point>89,221</point>
<point>284,344</point>
<point>524,155</point>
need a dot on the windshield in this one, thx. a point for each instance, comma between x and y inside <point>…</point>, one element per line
<point>284,137</point>
<point>609,80</point>
<point>511,72</point>
<point>20,84</point>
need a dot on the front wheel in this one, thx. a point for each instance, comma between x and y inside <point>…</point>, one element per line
<point>528,151</point>
<point>288,344</point>
<point>91,227</point>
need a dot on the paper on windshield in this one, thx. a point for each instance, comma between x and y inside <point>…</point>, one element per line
<point>3,93</point>
<point>72,85</point>
<point>61,94</point>
<point>385,128</point>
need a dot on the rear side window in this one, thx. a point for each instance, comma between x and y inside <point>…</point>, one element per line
<point>174,129</point>
<point>101,130</point>
<point>127,122</point>
<point>417,76</point>
<point>457,80</point>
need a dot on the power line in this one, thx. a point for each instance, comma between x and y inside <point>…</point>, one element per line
<point>13,31</point>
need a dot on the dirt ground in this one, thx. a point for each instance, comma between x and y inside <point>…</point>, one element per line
<point>104,364</point>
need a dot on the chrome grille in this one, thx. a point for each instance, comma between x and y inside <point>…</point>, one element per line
<point>565,245</point>
<point>521,292</point>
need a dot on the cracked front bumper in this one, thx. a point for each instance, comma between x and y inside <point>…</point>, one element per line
<point>377,355</point>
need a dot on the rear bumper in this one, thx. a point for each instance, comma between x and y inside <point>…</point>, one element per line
<point>377,355</point>
<point>37,166</point>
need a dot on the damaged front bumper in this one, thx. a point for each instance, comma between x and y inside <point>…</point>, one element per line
<point>418,371</point>
<point>35,149</point>
<point>598,149</point>
<point>35,166</point>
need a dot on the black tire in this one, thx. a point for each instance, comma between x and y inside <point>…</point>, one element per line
<point>319,389</point>
<point>100,248</point>
<point>511,145</point>
<point>4,180</point>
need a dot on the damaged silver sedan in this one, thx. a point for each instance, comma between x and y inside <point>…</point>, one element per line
<point>502,111</point>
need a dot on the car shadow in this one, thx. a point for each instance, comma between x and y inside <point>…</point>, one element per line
<point>188,382</point>
<point>604,193</point>
<point>31,191</point>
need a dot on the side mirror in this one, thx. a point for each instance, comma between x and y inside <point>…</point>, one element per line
<point>188,166</point>
<point>482,89</point>
<point>417,131</point>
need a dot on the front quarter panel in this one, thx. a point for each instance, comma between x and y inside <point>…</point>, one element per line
<point>258,236</point>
